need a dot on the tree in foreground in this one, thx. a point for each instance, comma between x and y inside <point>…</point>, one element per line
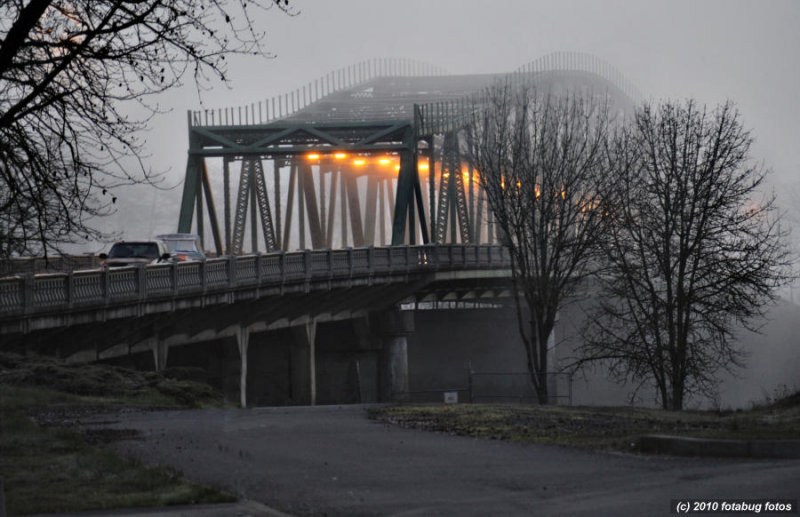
<point>68,69</point>
<point>541,160</point>
<point>694,251</point>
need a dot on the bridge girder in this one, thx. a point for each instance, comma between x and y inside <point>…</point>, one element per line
<point>291,143</point>
<point>366,113</point>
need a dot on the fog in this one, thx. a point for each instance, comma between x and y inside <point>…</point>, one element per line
<point>710,51</point>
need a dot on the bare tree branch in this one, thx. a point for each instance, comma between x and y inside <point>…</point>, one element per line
<point>67,70</point>
<point>542,161</point>
<point>692,254</point>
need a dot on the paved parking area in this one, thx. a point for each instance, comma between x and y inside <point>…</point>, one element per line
<point>332,460</point>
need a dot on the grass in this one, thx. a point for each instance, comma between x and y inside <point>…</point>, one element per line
<point>599,428</point>
<point>109,385</point>
<point>49,465</point>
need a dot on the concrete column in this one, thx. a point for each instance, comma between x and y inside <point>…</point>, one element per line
<point>243,341</point>
<point>160,351</point>
<point>365,330</point>
<point>303,364</point>
<point>393,327</point>
<point>367,360</point>
<point>394,368</point>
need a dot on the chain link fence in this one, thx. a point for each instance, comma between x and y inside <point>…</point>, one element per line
<point>498,386</point>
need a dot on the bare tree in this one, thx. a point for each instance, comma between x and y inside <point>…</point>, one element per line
<point>788,201</point>
<point>541,160</point>
<point>693,252</point>
<point>67,68</point>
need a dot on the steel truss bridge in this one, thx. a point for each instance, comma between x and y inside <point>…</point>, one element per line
<point>367,155</point>
<point>361,171</point>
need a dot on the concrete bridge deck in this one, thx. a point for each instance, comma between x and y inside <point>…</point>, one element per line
<point>217,305</point>
<point>40,302</point>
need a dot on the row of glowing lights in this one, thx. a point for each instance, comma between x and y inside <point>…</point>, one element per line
<point>422,166</point>
<point>359,161</point>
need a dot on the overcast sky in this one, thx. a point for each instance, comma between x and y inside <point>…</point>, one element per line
<point>709,50</point>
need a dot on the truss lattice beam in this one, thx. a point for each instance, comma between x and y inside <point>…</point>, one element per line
<point>286,139</point>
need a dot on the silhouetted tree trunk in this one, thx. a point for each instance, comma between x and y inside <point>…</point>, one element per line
<point>542,162</point>
<point>693,252</point>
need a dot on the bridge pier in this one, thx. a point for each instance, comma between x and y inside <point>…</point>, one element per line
<point>393,328</point>
<point>303,364</point>
<point>243,342</point>
<point>160,349</point>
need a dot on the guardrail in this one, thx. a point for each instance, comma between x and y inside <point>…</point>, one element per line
<point>27,294</point>
<point>51,264</point>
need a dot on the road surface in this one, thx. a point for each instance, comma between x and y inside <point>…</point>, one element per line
<point>332,460</point>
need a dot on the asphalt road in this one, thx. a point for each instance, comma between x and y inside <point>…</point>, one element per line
<point>332,460</point>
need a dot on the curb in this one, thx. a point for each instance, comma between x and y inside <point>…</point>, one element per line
<point>685,446</point>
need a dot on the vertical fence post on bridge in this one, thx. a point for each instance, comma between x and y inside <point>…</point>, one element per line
<point>434,256</point>
<point>231,270</point>
<point>68,287</point>
<point>106,280</point>
<point>282,268</point>
<point>350,261</point>
<point>203,278</point>
<point>307,266</point>
<point>173,276</point>
<point>27,293</point>
<point>141,282</point>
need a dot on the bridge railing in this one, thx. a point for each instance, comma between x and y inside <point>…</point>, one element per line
<point>50,264</point>
<point>451,115</point>
<point>25,294</point>
<point>286,105</point>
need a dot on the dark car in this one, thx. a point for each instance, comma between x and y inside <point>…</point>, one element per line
<point>133,253</point>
